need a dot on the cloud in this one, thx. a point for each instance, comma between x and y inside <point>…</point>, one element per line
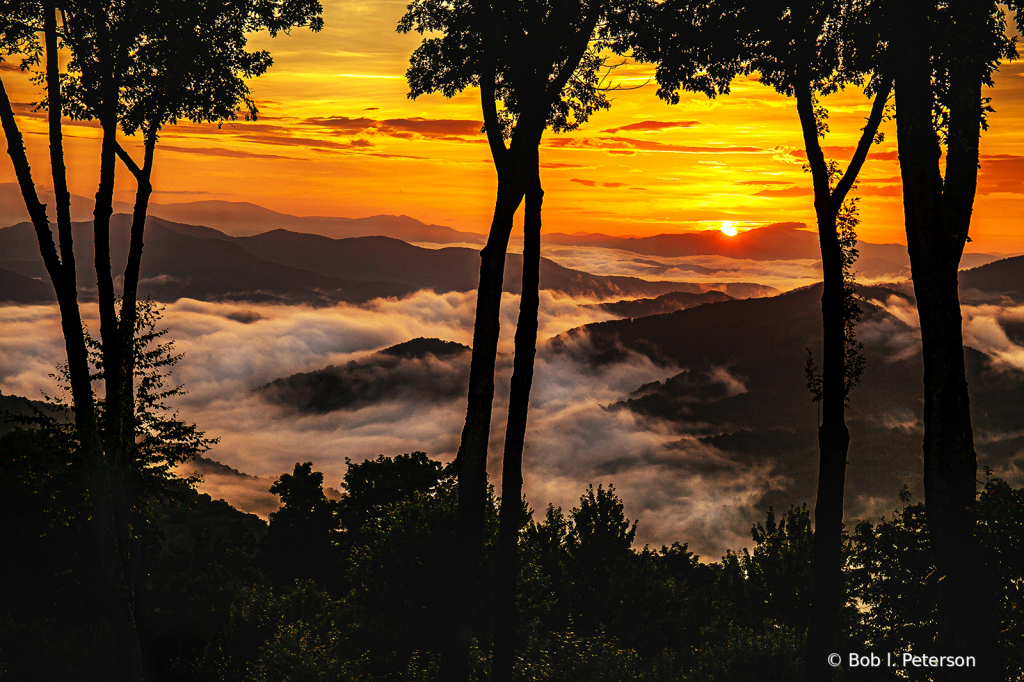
<point>594,183</point>
<point>879,191</point>
<point>841,153</point>
<point>652,126</point>
<point>1001,174</point>
<point>763,183</point>
<point>787,192</point>
<point>221,151</point>
<point>702,481</point>
<point>405,128</point>
<point>631,145</point>
<point>988,328</point>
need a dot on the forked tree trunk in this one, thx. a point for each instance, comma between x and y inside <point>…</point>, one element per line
<point>126,336</point>
<point>937,214</point>
<point>511,515</point>
<point>107,570</point>
<point>471,461</point>
<point>833,435</point>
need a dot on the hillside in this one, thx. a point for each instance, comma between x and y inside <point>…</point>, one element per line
<point>420,370</point>
<point>1002,278</point>
<point>742,391</point>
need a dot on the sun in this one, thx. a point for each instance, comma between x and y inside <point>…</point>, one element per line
<point>727,228</point>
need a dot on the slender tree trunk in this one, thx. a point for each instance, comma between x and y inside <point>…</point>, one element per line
<point>471,461</point>
<point>107,572</point>
<point>114,404</point>
<point>937,214</point>
<point>833,446</point>
<point>126,334</point>
<point>833,434</point>
<point>511,515</point>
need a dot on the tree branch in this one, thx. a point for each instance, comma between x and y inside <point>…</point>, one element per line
<point>491,124</point>
<point>23,172</point>
<point>866,140</point>
<point>555,87</point>
<point>58,169</point>
<point>815,156</point>
<point>128,161</point>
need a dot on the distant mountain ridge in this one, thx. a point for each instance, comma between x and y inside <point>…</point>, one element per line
<point>666,303</point>
<point>778,241</point>
<point>280,266</point>
<point>240,218</point>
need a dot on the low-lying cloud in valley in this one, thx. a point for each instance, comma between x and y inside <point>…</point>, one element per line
<point>690,447</point>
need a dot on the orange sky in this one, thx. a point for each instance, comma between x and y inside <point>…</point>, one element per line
<point>337,136</point>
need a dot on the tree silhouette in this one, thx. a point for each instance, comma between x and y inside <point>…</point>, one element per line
<point>541,61</point>
<point>940,68</point>
<point>302,536</point>
<point>806,50</point>
<point>125,71</point>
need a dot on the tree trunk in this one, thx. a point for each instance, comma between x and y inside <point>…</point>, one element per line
<point>937,214</point>
<point>106,571</point>
<point>126,334</point>
<point>511,519</point>
<point>833,435</point>
<point>471,461</point>
<point>833,445</point>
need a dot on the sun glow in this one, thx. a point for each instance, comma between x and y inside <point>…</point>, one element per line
<point>727,228</point>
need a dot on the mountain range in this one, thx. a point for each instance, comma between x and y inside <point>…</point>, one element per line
<point>240,218</point>
<point>743,391</point>
<point>199,262</point>
<point>778,241</point>
<point>736,397</point>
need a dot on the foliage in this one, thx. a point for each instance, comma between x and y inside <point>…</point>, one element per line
<point>48,508</point>
<point>162,440</point>
<point>893,572</point>
<point>176,59</point>
<point>301,536</point>
<point>371,486</point>
<point>537,54</point>
<point>591,607</point>
<point>19,25</point>
<point>740,654</point>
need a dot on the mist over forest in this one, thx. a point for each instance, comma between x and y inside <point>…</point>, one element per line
<point>701,427</point>
<point>410,342</point>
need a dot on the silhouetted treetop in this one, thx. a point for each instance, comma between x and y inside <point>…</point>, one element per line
<point>372,486</point>
<point>530,51</point>
<point>20,22</point>
<point>821,44</point>
<point>964,38</point>
<point>174,58</point>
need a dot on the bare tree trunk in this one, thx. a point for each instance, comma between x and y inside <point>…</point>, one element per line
<point>126,334</point>
<point>107,571</point>
<point>511,515</point>
<point>471,461</point>
<point>833,446</point>
<point>938,213</point>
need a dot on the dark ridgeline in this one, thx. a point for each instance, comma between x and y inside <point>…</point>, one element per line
<point>940,68</point>
<point>133,68</point>
<point>189,261</point>
<point>542,63</point>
